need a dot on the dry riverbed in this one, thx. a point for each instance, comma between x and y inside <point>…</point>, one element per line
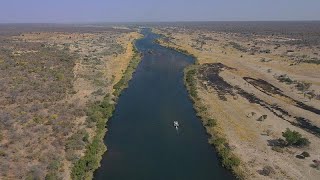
<point>255,87</point>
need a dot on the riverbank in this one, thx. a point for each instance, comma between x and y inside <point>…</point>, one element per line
<point>100,112</point>
<point>216,137</point>
<point>142,141</point>
<point>61,74</point>
<point>234,87</point>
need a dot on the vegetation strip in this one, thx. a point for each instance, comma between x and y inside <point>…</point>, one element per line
<point>100,112</point>
<point>123,83</point>
<point>228,159</point>
<point>216,138</point>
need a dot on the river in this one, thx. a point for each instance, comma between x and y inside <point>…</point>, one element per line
<point>142,142</point>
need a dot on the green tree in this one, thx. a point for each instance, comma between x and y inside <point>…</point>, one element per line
<point>294,138</point>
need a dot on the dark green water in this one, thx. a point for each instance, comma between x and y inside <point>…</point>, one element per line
<point>142,142</point>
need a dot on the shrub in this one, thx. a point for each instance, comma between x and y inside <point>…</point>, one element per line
<point>302,86</point>
<point>85,137</point>
<point>284,78</point>
<point>294,138</point>
<point>94,114</point>
<point>54,116</point>
<point>59,76</point>
<point>266,171</point>
<point>262,118</point>
<point>98,92</point>
<point>305,154</point>
<point>267,51</point>
<point>231,162</point>
<point>299,156</point>
<point>211,122</point>
<point>33,175</point>
<point>72,156</point>
<point>52,176</point>
<point>312,61</point>
<point>219,141</point>
<point>54,165</point>
<point>277,149</point>
<point>303,142</point>
<point>2,153</point>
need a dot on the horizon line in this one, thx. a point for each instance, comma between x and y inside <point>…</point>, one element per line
<point>180,21</point>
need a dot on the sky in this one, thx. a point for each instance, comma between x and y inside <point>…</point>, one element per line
<point>86,11</point>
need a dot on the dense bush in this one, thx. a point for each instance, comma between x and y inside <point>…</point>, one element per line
<point>98,113</point>
<point>191,81</point>
<point>229,160</point>
<point>294,138</point>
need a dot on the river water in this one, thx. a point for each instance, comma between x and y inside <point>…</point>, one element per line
<point>142,141</point>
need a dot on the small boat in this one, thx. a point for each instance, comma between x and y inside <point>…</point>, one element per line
<point>176,124</point>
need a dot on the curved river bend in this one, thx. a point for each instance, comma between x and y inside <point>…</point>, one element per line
<point>142,142</point>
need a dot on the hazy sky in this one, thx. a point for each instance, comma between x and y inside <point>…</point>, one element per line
<point>13,11</point>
